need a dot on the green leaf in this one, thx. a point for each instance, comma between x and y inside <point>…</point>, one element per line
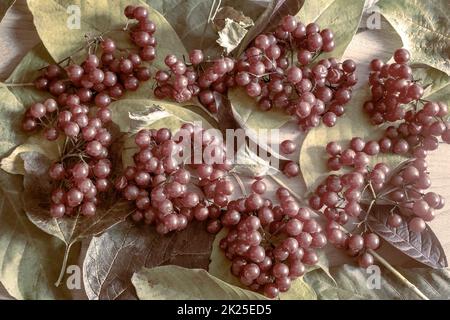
<point>424,27</point>
<point>114,256</point>
<point>355,123</point>
<point>178,283</point>
<point>357,283</point>
<point>220,267</point>
<point>5,5</point>
<point>27,255</point>
<point>26,72</point>
<point>341,16</point>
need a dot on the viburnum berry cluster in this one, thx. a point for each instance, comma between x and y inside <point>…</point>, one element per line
<point>82,172</point>
<point>197,78</point>
<point>163,184</point>
<point>279,71</point>
<point>352,197</point>
<point>81,175</point>
<point>397,97</point>
<point>101,79</point>
<point>270,245</point>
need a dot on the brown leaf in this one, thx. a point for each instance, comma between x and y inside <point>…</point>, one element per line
<point>113,258</point>
<point>225,117</point>
<point>423,247</point>
<point>5,5</point>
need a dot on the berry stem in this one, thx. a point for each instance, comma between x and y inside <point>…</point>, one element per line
<point>211,16</point>
<point>26,84</point>
<point>240,183</point>
<point>64,265</point>
<point>405,281</point>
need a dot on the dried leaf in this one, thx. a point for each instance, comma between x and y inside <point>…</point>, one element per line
<point>189,18</point>
<point>142,119</point>
<point>5,5</point>
<point>231,13</point>
<point>355,123</point>
<point>220,268</point>
<point>141,112</point>
<point>68,229</point>
<point>424,27</point>
<point>168,114</point>
<point>4,295</point>
<point>437,83</point>
<point>27,255</point>
<point>248,164</point>
<point>231,35</point>
<point>270,18</point>
<point>98,17</point>
<point>114,256</point>
<point>177,283</point>
<point>423,247</point>
<point>353,283</point>
<point>225,117</point>
<point>249,116</point>
<point>14,164</point>
<point>331,14</point>
<point>26,72</point>
<point>314,10</point>
<point>11,111</point>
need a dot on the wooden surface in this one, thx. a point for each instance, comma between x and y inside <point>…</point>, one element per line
<point>18,36</point>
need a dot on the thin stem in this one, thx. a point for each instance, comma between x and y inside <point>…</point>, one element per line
<point>262,75</point>
<point>405,281</point>
<point>63,266</point>
<point>27,84</point>
<point>372,190</point>
<point>240,183</point>
<point>211,12</point>
<point>217,10</point>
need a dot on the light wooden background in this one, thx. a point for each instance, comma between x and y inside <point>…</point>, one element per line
<point>18,35</point>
